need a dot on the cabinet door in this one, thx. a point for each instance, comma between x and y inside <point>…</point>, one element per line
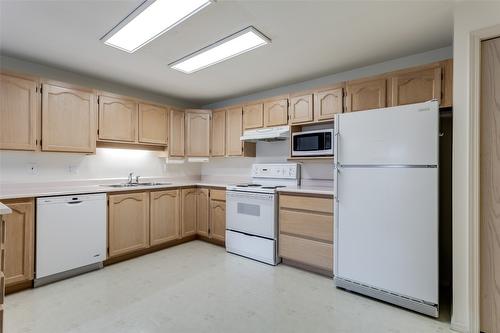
<point>19,242</point>
<point>416,86</point>
<point>117,119</point>
<point>153,124</point>
<point>165,216</point>
<point>203,214</point>
<point>219,133</point>
<point>327,103</point>
<point>19,108</point>
<point>276,112</point>
<point>218,220</point>
<point>253,116</point>
<point>189,211</point>
<point>176,141</point>
<point>301,109</point>
<point>68,119</point>
<point>366,94</point>
<point>128,223</point>
<point>198,133</point>
<point>234,130</point>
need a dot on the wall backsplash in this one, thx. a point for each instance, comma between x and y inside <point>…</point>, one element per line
<point>15,166</point>
<point>267,152</point>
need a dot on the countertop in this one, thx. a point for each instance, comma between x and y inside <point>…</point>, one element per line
<point>16,191</point>
<point>4,210</point>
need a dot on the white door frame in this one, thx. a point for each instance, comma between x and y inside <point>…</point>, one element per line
<point>474,170</point>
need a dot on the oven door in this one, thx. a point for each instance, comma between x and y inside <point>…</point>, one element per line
<point>251,213</point>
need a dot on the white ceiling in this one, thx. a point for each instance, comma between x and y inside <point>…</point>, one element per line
<point>309,39</point>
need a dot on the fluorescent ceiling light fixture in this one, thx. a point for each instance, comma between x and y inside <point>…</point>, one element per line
<point>231,46</point>
<point>150,20</point>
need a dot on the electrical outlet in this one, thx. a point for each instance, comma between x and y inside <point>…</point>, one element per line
<point>32,168</point>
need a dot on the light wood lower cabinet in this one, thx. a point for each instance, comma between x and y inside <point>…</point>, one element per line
<point>19,112</point>
<point>2,270</point>
<point>306,230</point>
<point>128,223</point>
<point>189,211</point>
<point>19,242</point>
<point>165,223</point>
<point>202,212</point>
<point>69,118</point>
<point>218,217</point>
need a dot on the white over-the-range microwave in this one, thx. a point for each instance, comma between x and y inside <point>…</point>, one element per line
<point>313,143</point>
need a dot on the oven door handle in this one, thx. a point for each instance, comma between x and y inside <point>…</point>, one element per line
<point>249,195</point>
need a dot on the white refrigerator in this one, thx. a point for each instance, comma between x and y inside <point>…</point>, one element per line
<point>386,204</point>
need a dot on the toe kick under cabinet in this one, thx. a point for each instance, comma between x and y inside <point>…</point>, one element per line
<point>306,231</point>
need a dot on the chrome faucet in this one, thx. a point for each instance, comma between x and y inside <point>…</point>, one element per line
<point>130,177</point>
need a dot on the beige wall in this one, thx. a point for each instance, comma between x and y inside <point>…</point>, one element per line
<point>470,16</point>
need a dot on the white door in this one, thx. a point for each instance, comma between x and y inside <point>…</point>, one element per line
<point>386,234</point>
<point>403,135</point>
<point>252,213</point>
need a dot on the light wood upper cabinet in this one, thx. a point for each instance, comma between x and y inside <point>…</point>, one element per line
<point>327,103</point>
<point>253,116</point>
<point>69,118</point>
<point>218,133</point>
<point>416,86</point>
<point>234,130</point>
<point>198,133</point>
<point>19,110</point>
<point>218,219</point>
<point>202,212</point>
<point>176,138</point>
<point>153,124</point>
<point>165,216</point>
<point>276,112</point>
<point>19,242</point>
<point>128,223</point>
<point>301,109</point>
<point>189,211</point>
<point>366,94</point>
<point>117,119</point>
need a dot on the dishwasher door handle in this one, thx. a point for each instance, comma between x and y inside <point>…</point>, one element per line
<point>74,202</point>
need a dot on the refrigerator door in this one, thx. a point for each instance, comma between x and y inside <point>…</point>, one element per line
<point>403,135</point>
<point>386,230</point>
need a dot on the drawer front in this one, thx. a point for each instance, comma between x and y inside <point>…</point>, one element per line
<point>218,195</point>
<point>324,205</point>
<point>312,225</point>
<point>309,252</point>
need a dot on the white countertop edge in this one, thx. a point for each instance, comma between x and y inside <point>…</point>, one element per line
<point>4,210</point>
<point>46,191</point>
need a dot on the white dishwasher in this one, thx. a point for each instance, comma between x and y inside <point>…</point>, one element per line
<point>71,235</point>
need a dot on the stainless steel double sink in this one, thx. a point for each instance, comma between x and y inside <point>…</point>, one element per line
<point>122,185</point>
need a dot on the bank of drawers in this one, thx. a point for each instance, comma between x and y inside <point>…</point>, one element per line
<point>306,230</point>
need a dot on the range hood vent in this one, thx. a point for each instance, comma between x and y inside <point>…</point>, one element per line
<point>269,134</point>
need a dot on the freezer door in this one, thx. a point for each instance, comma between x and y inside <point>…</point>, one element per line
<point>386,229</point>
<point>403,135</point>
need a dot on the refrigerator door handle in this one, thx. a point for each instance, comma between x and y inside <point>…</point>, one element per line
<point>336,164</point>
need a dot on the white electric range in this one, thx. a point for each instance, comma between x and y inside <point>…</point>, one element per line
<point>252,211</point>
